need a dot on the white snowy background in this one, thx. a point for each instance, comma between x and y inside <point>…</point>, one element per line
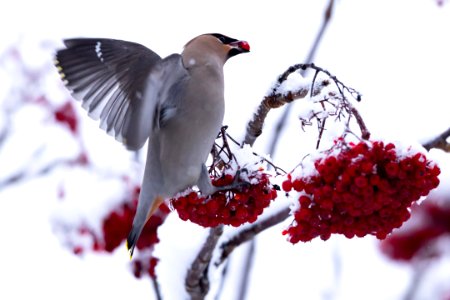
<point>396,53</point>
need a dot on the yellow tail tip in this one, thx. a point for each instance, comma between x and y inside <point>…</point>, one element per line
<point>130,251</point>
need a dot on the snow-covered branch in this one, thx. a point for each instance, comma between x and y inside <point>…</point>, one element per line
<point>289,88</point>
<point>197,283</point>
<point>277,99</point>
<point>440,142</point>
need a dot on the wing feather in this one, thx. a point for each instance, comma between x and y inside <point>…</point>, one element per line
<point>107,76</point>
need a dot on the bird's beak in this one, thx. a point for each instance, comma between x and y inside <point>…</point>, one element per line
<point>238,47</point>
<point>241,46</point>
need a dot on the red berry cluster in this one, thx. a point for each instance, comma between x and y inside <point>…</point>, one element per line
<point>234,207</point>
<point>429,222</point>
<point>145,265</point>
<point>115,229</point>
<point>366,188</point>
<point>66,115</point>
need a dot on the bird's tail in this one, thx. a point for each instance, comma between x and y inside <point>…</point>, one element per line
<point>132,240</point>
<point>146,208</point>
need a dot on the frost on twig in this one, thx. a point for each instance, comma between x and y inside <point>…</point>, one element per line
<point>222,154</point>
<point>284,92</point>
<point>276,99</point>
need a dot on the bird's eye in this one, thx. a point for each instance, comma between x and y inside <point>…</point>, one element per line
<point>222,39</point>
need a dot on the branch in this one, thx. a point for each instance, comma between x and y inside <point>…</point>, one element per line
<point>365,133</point>
<point>26,174</point>
<point>197,283</point>
<point>250,232</point>
<point>276,100</point>
<point>440,142</point>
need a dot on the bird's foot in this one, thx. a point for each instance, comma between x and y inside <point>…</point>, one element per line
<point>237,184</point>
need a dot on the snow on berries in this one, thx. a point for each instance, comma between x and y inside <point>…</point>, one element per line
<point>231,207</point>
<point>113,231</point>
<point>364,188</point>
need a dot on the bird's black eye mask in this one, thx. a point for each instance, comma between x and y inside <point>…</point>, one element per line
<point>223,38</point>
<point>238,47</point>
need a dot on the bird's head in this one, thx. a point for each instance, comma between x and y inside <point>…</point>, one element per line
<point>214,44</point>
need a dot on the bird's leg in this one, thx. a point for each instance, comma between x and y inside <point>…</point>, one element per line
<point>207,188</point>
<point>236,184</point>
<point>204,183</point>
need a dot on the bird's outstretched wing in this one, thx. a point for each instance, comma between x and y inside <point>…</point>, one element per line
<point>109,77</point>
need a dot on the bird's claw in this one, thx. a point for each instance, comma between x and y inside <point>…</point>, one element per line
<point>236,184</point>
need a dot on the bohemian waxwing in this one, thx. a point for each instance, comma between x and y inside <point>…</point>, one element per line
<point>176,102</point>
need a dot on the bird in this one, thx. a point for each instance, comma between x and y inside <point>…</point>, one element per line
<point>176,103</point>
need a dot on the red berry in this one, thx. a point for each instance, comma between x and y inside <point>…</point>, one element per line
<point>286,185</point>
<point>305,201</point>
<point>298,185</point>
<point>66,115</point>
<point>361,181</point>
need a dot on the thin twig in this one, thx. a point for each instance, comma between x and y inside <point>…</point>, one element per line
<point>156,288</point>
<point>365,133</point>
<point>321,124</point>
<point>250,232</point>
<point>243,286</point>
<point>275,167</point>
<point>225,137</point>
<point>26,174</point>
